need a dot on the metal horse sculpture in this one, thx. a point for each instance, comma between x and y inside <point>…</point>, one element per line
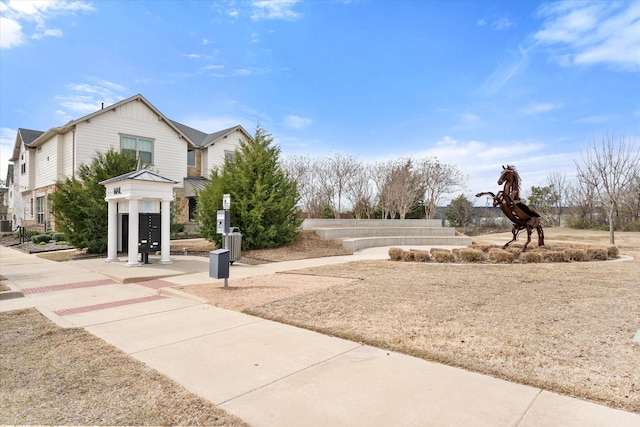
<point>522,216</point>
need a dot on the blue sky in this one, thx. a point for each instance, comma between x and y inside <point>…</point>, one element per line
<point>475,83</point>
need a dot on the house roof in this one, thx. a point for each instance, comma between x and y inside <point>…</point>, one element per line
<point>202,139</point>
<point>140,175</point>
<point>27,136</point>
<point>33,138</point>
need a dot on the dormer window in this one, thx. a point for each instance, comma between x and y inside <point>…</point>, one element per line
<point>140,148</point>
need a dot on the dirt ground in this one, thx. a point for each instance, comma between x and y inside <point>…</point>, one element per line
<point>564,327</point>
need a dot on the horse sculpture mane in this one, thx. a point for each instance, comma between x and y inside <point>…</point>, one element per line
<point>522,216</point>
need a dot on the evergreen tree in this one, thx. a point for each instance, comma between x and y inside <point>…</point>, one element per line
<point>460,211</point>
<point>263,199</point>
<point>79,205</point>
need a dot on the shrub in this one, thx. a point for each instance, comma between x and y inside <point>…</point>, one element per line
<point>500,255</point>
<point>531,257</point>
<point>483,247</point>
<point>471,255</point>
<point>555,256</point>
<point>58,236</point>
<point>41,238</point>
<point>597,254</point>
<point>407,256</point>
<point>612,251</point>
<point>443,256</point>
<point>576,254</point>
<point>395,254</point>
<point>421,256</point>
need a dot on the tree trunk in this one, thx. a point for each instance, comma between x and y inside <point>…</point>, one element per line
<point>611,232</point>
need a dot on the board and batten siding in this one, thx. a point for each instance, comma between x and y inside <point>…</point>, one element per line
<point>134,119</point>
<point>46,160</point>
<point>216,153</point>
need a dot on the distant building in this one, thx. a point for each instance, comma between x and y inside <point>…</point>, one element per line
<point>171,149</point>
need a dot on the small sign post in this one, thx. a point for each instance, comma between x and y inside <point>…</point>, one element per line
<point>226,201</point>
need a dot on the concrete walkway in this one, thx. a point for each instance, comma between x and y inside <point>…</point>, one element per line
<point>267,373</point>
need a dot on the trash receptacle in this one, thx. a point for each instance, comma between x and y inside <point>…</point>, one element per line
<point>219,264</point>
<point>233,242</point>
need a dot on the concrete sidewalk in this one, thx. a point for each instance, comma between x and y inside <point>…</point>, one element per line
<point>267,373</point>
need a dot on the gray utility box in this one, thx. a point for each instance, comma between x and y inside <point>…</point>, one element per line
<point>233,242</point>
<point>219,264</point>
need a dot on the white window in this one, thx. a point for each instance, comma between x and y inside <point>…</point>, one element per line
<point>229,155</point>
<point>191,157</point>
<point>23,164</point>
<point>140,148</point>
<point>40,210</point>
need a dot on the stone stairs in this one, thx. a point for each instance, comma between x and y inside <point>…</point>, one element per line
<point>358,234</point>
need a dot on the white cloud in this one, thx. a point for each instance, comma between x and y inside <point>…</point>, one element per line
<point>501,23</point>
<point>481,162</point>
<point>471,118</point>
<point>11,34</point>
<point>506,71</point>
<point>85,98</point>
<point>22,19</point>
<point>539,107</point>
<point>7,141</point>
<point>297,122</point>
<point>596,32</point>
<point>274,9</point>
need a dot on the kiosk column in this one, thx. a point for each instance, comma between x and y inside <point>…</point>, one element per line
<point>133,233</point>
<point>165,236</point>
<point>112,231</point>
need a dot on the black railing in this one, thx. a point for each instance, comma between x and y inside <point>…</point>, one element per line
<point>25,232</point>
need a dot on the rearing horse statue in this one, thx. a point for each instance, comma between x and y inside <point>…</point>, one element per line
<point>522,216</point>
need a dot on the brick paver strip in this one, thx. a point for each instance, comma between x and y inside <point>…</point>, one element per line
<point>88,308</point>
<point>156,284</point>
<point>67,286</point>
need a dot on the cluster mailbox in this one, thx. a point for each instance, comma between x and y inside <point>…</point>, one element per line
<point>149,234</point>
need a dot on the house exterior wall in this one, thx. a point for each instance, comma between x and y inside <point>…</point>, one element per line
<point>133,119</point>
<point>46,163</point>
<point>216,152</point>
<point>59,157</point>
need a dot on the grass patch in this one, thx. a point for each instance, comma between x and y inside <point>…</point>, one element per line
<point>56,376</point>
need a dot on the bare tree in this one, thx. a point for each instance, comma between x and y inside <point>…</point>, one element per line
<point>398,186</point>
<point>438,179</point>
<point>559,187</point>
<point>302,170</point>
<point>609,169</point>
<point>360,193</point>
<point>380,172</point>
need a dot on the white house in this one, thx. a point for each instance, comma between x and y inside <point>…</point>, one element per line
<point>171,149</point>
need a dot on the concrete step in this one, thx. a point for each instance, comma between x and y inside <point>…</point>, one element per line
<point>342,232</point>
<point>378,223</point>
<point>359,243</point>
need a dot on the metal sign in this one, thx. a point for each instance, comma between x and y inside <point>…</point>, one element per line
<point>226,201</point>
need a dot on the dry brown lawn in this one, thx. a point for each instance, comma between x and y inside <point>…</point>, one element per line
<point>55,376</point>
<point>564,327</point>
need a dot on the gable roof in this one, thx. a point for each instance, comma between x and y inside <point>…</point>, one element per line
<point>201,139</point>
<point>140,175</point>
<point>33,138</point>
<point>27,136</point>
